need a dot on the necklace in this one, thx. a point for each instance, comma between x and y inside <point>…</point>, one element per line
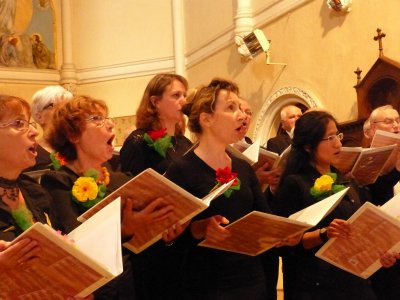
<point>9,193</point>
<point>105,175</point>
<point>8,189</point>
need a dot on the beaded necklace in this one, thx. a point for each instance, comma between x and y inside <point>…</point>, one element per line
<point>10,195</point>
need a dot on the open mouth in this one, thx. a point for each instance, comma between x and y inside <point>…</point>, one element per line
<point>32,149</point>
<point>242,128</point>
<point>110,140</point>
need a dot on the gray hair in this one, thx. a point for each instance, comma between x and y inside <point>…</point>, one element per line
<point>49,95</point>
<point>285,109</point>
<point>375,113</point>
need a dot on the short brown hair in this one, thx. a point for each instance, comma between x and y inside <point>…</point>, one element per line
<point>203,99</point>
<point>69,121</point>
<point>146,115</point>
<point>12,105</point>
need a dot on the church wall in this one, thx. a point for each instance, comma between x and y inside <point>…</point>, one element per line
<point>109,32</point>
<point>206,19</point>
<point>116,48</point>
<point>122,96</point>
<point>119,46</point>
<point>321,48</point>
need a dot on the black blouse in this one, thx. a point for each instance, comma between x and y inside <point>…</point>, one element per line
<point>313,274</point>
<point>136,155</point>
<point>207,269</point>
<point>59,184</point>
<point>37,201</point>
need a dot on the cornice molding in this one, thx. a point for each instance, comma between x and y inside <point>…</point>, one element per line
<point>89,75</point>
<point>217,43</point>
<point>275,9</point>
<point>29,76</point>
<point>126,70</point>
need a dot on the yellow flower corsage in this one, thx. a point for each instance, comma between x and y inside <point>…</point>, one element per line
<point>325,186</point>
<point>87,191</point>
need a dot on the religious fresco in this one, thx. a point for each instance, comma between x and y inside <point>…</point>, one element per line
<point>27,34</point>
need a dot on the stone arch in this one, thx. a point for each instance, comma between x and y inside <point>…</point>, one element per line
<point>268,119</point>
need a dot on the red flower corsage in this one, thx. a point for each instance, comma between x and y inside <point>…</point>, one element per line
<point>225,175</point>
<point>159,140</point>
<point>57,160</point>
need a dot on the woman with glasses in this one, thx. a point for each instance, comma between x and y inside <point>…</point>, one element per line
<point>22,200</point>
<point>43,102</point>
<point>82,133</point>
<point>316,145</point>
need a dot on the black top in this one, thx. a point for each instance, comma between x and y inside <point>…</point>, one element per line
<point>279,143</point>
<point>382,190</point>
<point>312,272</point>
<point>37,201</point>
<point>207,270</point>
<point>59,184</point>
<point>136,155</point>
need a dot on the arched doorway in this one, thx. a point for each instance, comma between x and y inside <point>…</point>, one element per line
<point>268,121</point>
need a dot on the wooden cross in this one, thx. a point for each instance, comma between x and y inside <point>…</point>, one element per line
<point>358,72</point>
<point>379,38</point>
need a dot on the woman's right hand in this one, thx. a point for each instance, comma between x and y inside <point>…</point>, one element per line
<point>156,211</point>
<point>210,229</point>
<point>18,255</point>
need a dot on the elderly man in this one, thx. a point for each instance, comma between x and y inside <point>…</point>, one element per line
<point>385,118</point>
<point>385,282</point>
<point>289,116</point>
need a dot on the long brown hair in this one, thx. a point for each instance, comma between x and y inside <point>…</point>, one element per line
<point>146,115</point>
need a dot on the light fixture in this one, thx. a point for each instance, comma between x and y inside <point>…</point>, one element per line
<point>340,5</point>
<point>254,43</point>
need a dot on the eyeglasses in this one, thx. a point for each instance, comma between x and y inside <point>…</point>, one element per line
<point>389,121</point>
<point>99,120</point>
<point>333,138</point>
<point>50,105</point>
<point>248,112</point>
<point>19,124</point>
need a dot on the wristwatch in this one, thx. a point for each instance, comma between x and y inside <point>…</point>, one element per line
<point>323,234</point>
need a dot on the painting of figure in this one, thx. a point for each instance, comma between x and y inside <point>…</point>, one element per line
<point>27,34</point>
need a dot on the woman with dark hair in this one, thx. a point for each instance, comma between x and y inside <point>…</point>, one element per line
<point>82,133</point>
<point>315,146</point>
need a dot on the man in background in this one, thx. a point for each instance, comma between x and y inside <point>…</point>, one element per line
<point>289,116</point>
